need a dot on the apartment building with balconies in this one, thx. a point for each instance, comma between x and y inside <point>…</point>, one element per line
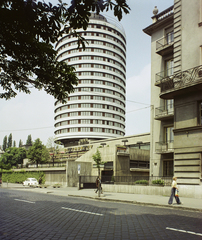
<point>176,96</point>
<point>96,109</point>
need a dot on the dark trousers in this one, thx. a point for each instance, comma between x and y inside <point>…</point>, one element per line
<point>98,189</point>
<point>170,201</point>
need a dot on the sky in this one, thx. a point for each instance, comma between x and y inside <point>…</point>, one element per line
<point>34,113</point>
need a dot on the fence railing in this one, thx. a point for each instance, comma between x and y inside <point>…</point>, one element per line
<point>164,111</point>
<point>166,146</point>
<point>163,74</point>
<point>165,41</point>
<point>167,12</point>
<point>182,79</point>
<point>44,165</point>
<point>126,180</point>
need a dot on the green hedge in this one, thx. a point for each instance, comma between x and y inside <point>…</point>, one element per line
<point>19,177</point>
<point>145,182</point>
<point>158,181</point>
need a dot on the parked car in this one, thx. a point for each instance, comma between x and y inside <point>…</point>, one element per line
<point>30,182</point>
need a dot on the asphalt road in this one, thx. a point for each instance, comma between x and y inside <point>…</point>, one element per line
<point>28,215</point>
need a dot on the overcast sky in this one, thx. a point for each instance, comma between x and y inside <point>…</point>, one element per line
<point>34,113</point>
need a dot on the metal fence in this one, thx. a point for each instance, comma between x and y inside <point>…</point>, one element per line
<point>89,181</point>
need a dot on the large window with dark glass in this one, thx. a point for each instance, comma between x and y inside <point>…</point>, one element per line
<point>168,168</point>
<point>200,113</point>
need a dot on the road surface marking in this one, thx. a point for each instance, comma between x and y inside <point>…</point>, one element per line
<point>76,210</point>
<point>23,200</point>
<point>179,230</point>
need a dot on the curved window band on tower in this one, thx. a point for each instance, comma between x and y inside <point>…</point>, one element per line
<point>96,109</point>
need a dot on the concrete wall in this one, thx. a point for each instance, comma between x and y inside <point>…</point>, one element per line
<point>139,154</point>
<point>185,191</point>
<point>72,172</point>
<point>53,177</point>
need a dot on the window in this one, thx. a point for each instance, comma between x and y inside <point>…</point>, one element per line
<point>200,113</point>
<point>169,138</point>
<point>169,65</point>
<point>167,168</point>
<point>74,122</point>
<point>85,121</point>
<point>169,106</point>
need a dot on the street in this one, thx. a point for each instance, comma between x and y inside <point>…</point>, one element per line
<point>28,215</point>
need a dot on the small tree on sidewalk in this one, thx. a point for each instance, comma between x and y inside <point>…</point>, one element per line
<point>98,161</point>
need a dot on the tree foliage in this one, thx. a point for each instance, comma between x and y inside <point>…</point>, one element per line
<point>10,141</point>
<point>38,153</point>
<point>5,143</point>
<point>12,157</point>
<point>20,143</point>
<point>29,30</point>
<point>98,160</point>
<point>29,140</point>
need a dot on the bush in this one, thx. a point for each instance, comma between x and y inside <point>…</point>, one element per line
<point>141,182</point>
<point>20,177</point>
<point>158,181</point>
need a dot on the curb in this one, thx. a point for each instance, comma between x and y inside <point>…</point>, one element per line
<point>139,203</point>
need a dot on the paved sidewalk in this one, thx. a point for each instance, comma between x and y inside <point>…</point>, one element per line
<point>152,200</point>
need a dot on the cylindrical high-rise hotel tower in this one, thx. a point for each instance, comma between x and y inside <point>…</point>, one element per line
<point>96,109</point>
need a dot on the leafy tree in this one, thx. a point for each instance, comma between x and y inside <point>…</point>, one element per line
<point>29,30</point>
<point>29,140</point>
<point>14,143</point>
<point>12,157</point>
<point>38,153</point>
<point>98,160</point>
<point>20,143</point>
<point>10,140</point>
<point>5,143</point>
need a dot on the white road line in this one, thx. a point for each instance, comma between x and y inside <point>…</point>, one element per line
<point>23,200</point>
<point>179,230</point>
<point>76,210</point>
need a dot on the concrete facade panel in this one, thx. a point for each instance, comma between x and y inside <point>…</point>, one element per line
<point>187,168</point>
<point>191,156</point>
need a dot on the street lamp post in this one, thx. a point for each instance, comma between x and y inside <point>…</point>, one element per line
<point>124,141</point>
<point>139,143</point>
<point>102,144</point>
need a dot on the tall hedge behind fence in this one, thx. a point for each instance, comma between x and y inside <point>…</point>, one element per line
<point>19,177</point>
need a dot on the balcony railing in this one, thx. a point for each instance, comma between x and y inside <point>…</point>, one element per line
<point>165,42</point>
<point>164,14</point>
<point>162,75</point>
<point>181,80</point>
<point>164,147</point>
<point>165,111</point>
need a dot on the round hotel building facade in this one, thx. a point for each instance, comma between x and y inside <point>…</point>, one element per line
<point>96,109</point>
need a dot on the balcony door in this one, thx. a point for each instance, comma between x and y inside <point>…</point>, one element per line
<point>169,67</point>
<point>169,104</point>
<point>169,35</point>
<point>169,137</point>
<point>168,168</point>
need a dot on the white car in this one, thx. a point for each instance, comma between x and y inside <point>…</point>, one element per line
<point>30,182</point>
